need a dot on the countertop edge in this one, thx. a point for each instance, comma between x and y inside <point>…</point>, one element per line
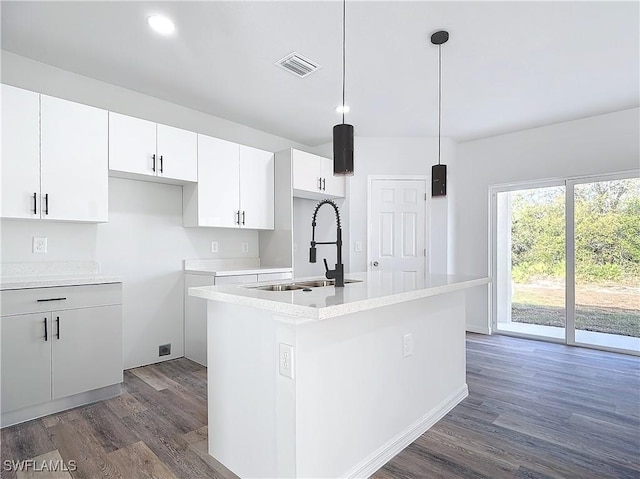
<point>237,272</point>
<point>33,283</point>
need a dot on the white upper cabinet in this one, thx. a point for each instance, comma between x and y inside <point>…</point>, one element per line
<point>235,186</point>
<point>20,196</point>
<point>313,177</point>
<point>54,158</point>
<point>256,188</point>
<point>147,150</point>
<point>178,153</point>
<point>132,144</point>
<point>74,161</point>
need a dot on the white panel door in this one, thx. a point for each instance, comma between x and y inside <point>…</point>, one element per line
<point>87,349</point>
<point>177,153</point>
<point>20,168</point>
<point>132,144</point>
<point>397,227</point>
<point>331,185</point>
<point>306,171</point>
<point>256,188</point>
<point>26,360</point>
<point>74,161</point>
<point>219,182</point>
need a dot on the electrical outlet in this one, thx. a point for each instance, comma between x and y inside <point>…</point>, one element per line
<point>286,360</point>
<point>407,345</point>
<point>214,246</point>
<point>164,350</point>
<point>357,246</point>
<point>39,245</point>
<point>245,247</point>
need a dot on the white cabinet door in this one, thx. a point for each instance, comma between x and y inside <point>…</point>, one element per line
<point>306,171</point>
<point>73,161</point>
<point>331,185</point>
<point>20,153</point>
<point>132,144</point>
<point>177,153</point>
<point>218,182</point>
<point>87,349</point>
<point>26,360</point>
<point>256,188</point>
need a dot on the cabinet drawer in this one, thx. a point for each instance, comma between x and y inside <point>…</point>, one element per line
<point>274,276</point>
<point>21,301</point>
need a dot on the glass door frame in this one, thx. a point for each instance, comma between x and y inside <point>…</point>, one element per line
<point>570,260</point>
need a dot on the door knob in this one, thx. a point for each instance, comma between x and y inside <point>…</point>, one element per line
<point>375,264</point>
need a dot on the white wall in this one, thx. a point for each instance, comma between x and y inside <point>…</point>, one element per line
<point>595,145</point>
<point>399,156</point>
<point>144,241</point>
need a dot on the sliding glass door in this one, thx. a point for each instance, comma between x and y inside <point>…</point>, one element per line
<point>606,263</point>
<point>566,261</point>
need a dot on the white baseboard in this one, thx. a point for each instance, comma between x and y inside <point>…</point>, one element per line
<point>39,410</point>
<point>478,329</point>
<point>385,453</point>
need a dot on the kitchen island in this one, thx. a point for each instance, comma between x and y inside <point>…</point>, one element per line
<point>331,382</point>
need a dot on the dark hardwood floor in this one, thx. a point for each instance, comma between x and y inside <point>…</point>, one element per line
<point>534,410</point>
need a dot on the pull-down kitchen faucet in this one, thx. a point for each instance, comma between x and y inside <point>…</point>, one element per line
<point>338,273</point>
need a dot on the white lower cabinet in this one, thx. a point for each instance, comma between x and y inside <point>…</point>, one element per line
<point>26,360</point>
<point>54,358</point>
<point>195,309</point>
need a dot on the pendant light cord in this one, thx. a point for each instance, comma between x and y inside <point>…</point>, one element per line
<point>439,97</point>
<point>344,29</point>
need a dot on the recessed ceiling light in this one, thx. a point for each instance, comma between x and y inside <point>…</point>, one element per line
<point>342,109</point>
<point>161,24</point>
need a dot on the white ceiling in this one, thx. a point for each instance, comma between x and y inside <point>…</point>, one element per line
<point>507,66</point>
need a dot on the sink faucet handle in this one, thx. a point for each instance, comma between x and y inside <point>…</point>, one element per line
<point>326,266</point>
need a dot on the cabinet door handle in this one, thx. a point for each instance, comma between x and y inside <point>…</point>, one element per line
<point>154,163</point>
<point>46,204</point>
<point>161,162</point>
<point>324,184</point>
<point>243,217</point>
<point>237,217</point>
<point>50,299</point>
<point>58,327</point>
<point>35,203</point>
<point>46,337</point>
<point>320,183</point>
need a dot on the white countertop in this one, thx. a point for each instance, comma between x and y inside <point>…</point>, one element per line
<point>237,272</point>
<point>376,290</point>
<point>28,282</point>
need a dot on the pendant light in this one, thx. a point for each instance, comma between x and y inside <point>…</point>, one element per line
<point>439,172</point>
<point>343,133</point>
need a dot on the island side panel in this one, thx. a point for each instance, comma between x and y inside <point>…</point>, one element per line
<point>359,401</point>
<point>251,408</point>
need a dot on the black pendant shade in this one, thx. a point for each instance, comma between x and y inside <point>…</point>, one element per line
<point>343,150</point>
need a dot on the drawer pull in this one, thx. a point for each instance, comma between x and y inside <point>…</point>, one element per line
<point>45,330</point>
<point>50,299</point>
<point>58,327</point>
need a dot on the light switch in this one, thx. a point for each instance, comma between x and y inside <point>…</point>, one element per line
<point>357,246</point>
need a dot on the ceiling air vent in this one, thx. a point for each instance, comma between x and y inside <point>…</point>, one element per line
<point>298,65</point>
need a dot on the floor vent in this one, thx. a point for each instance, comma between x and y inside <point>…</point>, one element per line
<point>298,65</point>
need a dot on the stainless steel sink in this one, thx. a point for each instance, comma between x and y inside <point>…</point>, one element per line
<point>320,283</point>
<point>279,287</point>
